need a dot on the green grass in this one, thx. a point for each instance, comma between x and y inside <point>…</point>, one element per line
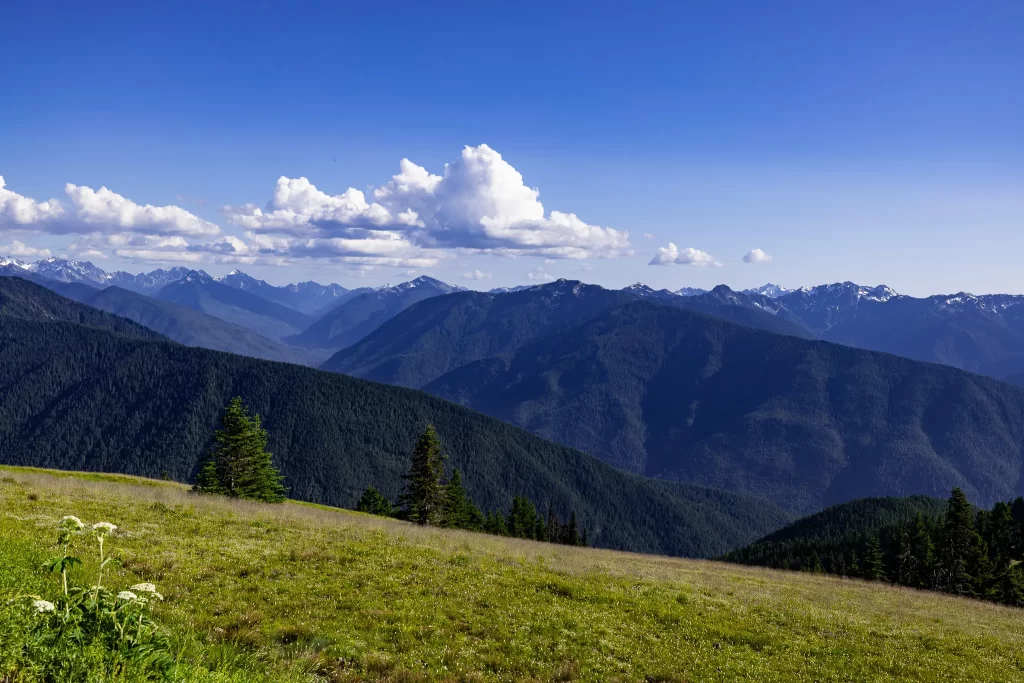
<point>298,592</point>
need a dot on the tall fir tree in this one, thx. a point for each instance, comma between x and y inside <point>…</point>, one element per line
<point>522,519</point>
<point>495,524</point>
<point>959,544</point>
<point>571,536</point>
<point>238,464</point>
<point>853,568</point>
<point>458,511</point>
<point>873,565</point>
<point>922,550</point>
<point>424,494</point>
<point>552,526</point>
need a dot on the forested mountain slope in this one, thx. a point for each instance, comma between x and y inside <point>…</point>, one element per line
<point>435,336</point>
<point>79,397</point>
<point>831,533</point>
<point>439,334</point>
<point>669,393</point>
<point>21,299</point>
<point>185,325</point>
<point>854,518</point>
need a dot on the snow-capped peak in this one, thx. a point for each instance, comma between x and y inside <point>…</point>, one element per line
<point>422,281</point>
<point>64,270</point>
<point>769,290</point>
<point>13,262</point>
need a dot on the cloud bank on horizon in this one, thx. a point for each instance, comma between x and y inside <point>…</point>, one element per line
<point>478,204</point>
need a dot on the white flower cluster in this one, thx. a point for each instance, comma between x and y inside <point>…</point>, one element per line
<point>71,523</point>
<point>147,588</point>
<point>103,528</point>
<point>43,606</point>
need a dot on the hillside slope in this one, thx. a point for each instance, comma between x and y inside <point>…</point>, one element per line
<point>76,397</point>
<point>273,593</point>
<point>185,325</point>
<point>437,335</point>
<point>807,424</point>
<point>833,531</point>
<point>22,299</point>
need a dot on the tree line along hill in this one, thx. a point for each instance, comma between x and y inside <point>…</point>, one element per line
<point>85,390</point>
<point>917,541</point>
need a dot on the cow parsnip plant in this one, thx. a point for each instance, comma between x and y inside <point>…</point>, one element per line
<point>88,630</point>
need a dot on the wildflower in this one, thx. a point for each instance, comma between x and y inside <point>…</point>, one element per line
<point>71,523</point>
<point>147,588</point>
<point>103,528</point>
<point>127,596</point>
<point>43,606</point>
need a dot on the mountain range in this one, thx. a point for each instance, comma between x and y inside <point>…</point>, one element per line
<point>983,334</point>
<point>671,393</point>
<point>735,391</point>
<point>83,389</point>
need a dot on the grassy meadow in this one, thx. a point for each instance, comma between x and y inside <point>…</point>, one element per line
<point>297,592</point>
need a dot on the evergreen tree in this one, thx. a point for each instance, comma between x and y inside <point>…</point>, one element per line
<point>906,563</point>
<point>874,564</point>
<point>552,524</point>
<point>1002,537</point>
<point>495,524</point>
<point>540,529</point>
<point>958,545</point>
<point>522,520</point>
<point>854,566</point>
<point>238,464</point>
<point>459,512</point>
<point>424,495</point>
<point>375,503</point>
<point>1011,586</point>
<point>814,564</point>
<point>922,550</point>
<point>572,534</point>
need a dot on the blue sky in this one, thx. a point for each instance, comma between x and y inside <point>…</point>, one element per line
<point>877,142</point>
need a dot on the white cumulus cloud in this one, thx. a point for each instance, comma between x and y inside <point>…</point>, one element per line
<point>17,211</point>
<point>757,256</point>
<point>689,256</point>
<point>480,203</point>
<point>107,211</point>
<point>476,275</point>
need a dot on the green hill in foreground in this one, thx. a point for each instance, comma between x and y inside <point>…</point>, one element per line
<point>301,593</point>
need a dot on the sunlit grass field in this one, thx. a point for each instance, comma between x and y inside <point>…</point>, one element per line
<point>296,592</point>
